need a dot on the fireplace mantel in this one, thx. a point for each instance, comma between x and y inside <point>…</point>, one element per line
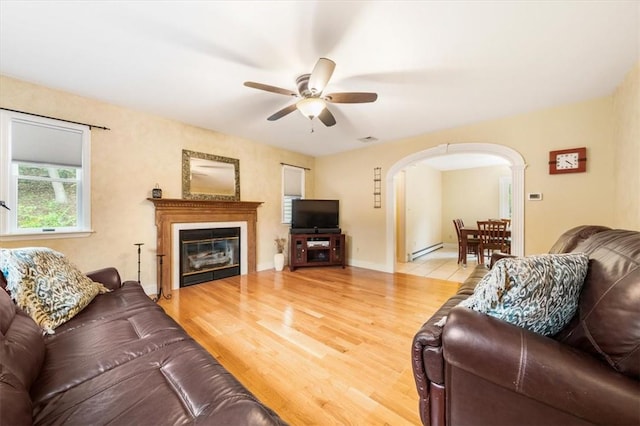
<point>170,211</point>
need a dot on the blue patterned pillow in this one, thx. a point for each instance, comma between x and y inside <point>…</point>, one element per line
<point>539,293</point>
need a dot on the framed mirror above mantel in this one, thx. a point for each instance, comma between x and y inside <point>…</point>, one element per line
<point>210,177</point>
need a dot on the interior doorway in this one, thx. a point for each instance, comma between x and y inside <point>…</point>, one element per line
<point>515,163</point>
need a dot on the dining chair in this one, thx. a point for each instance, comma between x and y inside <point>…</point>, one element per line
<point>456,224</point>
<point>508,221</point>
<point>472,243</point>
<point>493,236</point>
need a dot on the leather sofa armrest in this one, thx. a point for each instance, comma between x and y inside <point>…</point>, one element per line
<point>427,361</point>
<point>427,346</point>
<point>539,368</point>
<point>497,255</point>
<point>109,277</point>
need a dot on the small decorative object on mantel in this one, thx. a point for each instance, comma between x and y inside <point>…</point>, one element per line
<point>278,258</point>
<point>377,185</point>
<point>573,160</point>
<point>156,192</point>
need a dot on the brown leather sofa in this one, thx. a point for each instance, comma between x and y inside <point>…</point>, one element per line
<point>479,370</point>
<point>121,360</point>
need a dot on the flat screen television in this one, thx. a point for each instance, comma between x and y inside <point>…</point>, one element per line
<point>319,216</point>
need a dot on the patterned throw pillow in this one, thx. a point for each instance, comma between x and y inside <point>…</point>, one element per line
<point>46,285</point>
<point>539,293</point>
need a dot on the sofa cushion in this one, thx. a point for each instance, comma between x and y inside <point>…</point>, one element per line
<point>21,343</point>
<point>539,293</point>
<point>46,285</point>
<point>607,323</point>
<point>122,360</point>
<point>7,312</point>
<point>172,384</point>
<point>15,404</point>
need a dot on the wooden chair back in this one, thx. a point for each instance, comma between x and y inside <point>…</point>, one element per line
<point>456,224</point>
<point>472,243</point>
<point>493,236</point>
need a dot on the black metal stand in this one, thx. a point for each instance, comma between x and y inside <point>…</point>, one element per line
<point>138,244</point>
<point>160,256</point>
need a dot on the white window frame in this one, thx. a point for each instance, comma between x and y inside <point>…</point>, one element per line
<point>8,181</point>
<point>287,198</point>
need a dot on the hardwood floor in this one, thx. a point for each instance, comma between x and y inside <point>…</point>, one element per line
<point>320,346</point>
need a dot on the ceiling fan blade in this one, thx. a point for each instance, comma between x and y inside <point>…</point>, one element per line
<point>327,118</point>
<point>272,89</point>
<point>284,111</point>
<point>351,97</point>
<point>320,75</point>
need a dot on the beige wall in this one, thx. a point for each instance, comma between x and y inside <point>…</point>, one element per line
<point>627,151</point>
<point>400,223</point>
<point>569,200</point>
<point>142,150</point>
<point>423,207</point>
<point>471,195</point>
<point>139,151</point>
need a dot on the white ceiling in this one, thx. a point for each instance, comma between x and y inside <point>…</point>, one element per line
<point>434,64</point>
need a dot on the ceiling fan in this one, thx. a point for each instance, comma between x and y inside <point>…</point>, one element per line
<point>312,102</point>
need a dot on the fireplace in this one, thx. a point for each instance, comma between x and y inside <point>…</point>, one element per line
<point>209,254</point>
<point>173,215</point>
<point>218,250</point>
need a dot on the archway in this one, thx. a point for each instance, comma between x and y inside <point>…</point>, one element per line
<point>516,163</point>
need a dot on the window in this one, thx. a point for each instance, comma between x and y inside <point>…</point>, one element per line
<point>44,175</point>
<point>292,188</point>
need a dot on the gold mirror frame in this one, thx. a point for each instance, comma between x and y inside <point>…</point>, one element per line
<point>210,177</point>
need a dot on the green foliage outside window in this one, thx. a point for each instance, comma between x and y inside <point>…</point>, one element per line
<point>47,197</point>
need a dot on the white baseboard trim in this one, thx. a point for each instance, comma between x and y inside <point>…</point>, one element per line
<point>425,250</point>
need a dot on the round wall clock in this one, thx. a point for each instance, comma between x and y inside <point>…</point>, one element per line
<point>572,160</point>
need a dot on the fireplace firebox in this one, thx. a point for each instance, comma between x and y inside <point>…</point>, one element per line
<point>209,254</point>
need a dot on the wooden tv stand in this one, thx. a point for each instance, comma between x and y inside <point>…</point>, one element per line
<point>316,250</point>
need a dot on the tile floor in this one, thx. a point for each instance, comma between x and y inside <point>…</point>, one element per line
<point>441,264</point>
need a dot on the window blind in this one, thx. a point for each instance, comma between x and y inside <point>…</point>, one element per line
<point>37,143</point>
<point>292,182</point>
<point>292,188</point>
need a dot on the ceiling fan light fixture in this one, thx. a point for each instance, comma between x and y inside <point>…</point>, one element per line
<point>311,107</point>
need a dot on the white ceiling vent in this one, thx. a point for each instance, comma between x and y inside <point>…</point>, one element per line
<point>368,139</point>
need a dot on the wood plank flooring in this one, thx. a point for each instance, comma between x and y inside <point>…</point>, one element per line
<point>320,346</point>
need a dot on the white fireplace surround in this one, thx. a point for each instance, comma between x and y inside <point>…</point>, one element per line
<point>175,250</point>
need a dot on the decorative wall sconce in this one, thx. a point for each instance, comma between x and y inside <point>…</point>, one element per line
<point>377,187</point>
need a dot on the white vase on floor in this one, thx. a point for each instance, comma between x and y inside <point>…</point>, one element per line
<point>278,261</point>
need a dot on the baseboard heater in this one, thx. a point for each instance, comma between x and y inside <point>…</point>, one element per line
<point>425,250</point>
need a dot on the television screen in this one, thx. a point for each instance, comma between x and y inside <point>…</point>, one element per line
<point>314,214</point>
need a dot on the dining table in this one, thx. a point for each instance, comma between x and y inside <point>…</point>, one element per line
<point>467,231</point>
